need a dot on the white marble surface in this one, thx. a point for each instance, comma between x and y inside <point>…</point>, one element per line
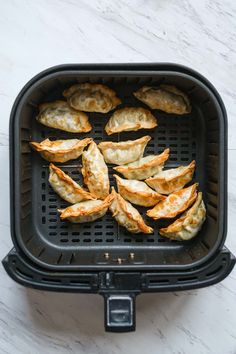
<point>37,34</point>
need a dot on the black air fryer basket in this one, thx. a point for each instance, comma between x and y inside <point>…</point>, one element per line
<point>101,257</point>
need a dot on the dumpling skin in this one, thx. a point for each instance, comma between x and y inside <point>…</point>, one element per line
<point>65,187</point>
<point>60,150</point>
<point>189,224</point>
<point>166,98</point>
<point>130,119</point>
<point>124,151</point>
<point>174,204</point>
<point>91,97</point>
<point>172,180</point>
<point>60,115</point>
<point>95,172</point>
<point>145,167</point>
<point>86,211</point>
<point>127,216</point>
<point>137,192</point>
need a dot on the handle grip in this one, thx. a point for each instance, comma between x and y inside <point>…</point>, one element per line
<point>119,312</point>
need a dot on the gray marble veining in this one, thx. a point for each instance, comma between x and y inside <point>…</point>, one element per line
<point>35,35</point>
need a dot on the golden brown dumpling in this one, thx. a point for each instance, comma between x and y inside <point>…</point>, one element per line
<point>189,224</point>
<point>67,189</point>
<point>145,167</point>
<point>86,211</point>
<point>137,192</point>
<point>61,150</point>
<point>130,118</point>
<point>95,172</point>
<point>174,204</point>
<point>124,151</point>
<point>91,97</point>
<point>60,115</point>
<point>127,216</point>
<point>166,98</point>
<point>172,180</point>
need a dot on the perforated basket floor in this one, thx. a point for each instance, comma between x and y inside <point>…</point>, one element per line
<point>55,243</point>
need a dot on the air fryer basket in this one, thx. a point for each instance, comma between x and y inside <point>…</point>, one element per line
<point>102,257</point>
<point>200,135</point>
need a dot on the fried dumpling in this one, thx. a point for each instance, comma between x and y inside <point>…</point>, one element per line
<point>60,150</point>
<point>86,211</point>
<point>65,187</point>
<point>95,172</point>
<point>137,192</point>
<point>60,115</point>
<point>124,151</point>
<point>189,224</point>
<point>130,119</point>
<point>91,97</point>
<point>174,204</point>
<point>127,216</point>
<point>172,180</point>
<point>166,98</point>
<point>145,167</point>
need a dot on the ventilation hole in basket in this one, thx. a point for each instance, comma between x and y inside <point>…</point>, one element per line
<point>138,240</point>
<point>98,233</point>
<point>52,200</point>
<point>52,233</point>
<point>43,197</point>
<point>75,233</point>
<point>43,174</point>
<point>52,220</point>
<point>162,145</point>
<point>87,240</point>
<point>75,240</point>
<point>53,227</point>
<point>98,226</point>
<point>98,240</point>
<point>52,206</point>
<point>109,233</point>
<point>109,226</point>
<point>43,220</point>
<point>53,213</point>
<point>64,240</point>
<point>184,159</point>
<point>43,208</point>
<point>127,240</point>
<point>64,233</point>
<point>150,240</point>
<point>110,240</point>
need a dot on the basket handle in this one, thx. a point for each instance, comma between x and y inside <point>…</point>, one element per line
<point>119,312</point>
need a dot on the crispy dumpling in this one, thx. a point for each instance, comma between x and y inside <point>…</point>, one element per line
<point>91,97</point>
<point>145,167</point>
<point>137,192</point>
<point>174,204</point>
<point>124,151</point>
<point>189,224</point>
<point>86,211</point>
<point>172,180</point>
<point>60,115</point>
<point>95,172</point>
<point>130,119</point>
<point>65,187</point>
<point>61,150</point>
<point>127,216</point>
<point>166,98</point>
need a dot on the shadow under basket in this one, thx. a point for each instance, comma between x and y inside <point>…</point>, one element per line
<point>103,248</point>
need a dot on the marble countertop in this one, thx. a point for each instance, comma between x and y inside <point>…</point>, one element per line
<point>35,35</point>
